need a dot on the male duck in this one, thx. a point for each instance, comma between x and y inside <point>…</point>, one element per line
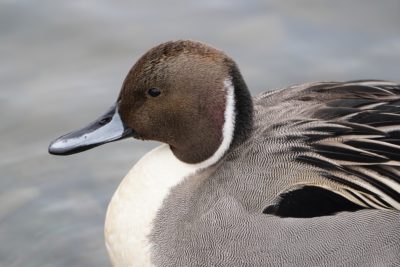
<point>311,176</point>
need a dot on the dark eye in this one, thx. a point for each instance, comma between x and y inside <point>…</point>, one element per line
<point>154,92</point>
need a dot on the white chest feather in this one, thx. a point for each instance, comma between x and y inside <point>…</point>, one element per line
<point>135,204</point>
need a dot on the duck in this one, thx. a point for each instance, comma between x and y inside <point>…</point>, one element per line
<point>308,175</point>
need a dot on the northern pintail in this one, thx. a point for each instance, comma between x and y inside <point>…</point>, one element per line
<point>303,176</point>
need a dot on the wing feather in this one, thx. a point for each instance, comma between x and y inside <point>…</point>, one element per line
<point>353,137</point>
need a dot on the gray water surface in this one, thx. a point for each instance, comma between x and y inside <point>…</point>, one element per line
<point>62,64</point>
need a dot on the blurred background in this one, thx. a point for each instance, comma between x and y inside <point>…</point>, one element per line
<point>62,64</point>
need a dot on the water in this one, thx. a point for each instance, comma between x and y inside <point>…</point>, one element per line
<point>63,62</point>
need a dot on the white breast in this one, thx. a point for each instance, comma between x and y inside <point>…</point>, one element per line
<point>135,204</point>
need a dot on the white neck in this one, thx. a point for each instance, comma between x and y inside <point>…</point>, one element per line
<point>134,206</point>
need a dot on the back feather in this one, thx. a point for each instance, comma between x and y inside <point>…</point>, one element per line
<point>352,135</point>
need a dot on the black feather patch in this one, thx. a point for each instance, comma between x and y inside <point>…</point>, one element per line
<point>334,112</point>
<point>347,183</point>
<point>394,134</point>
<point>317,162</point>
<point>351,102</point>
<point>380,148</point>
<point>358,198</point>
<point>347,154</point>
<point>377,184</point>
<point>345,128</point>
<point>376,119</point>
<point>243,106</point>
<point>385,172</point>
<point>360,90</point>
<point>310,201</point>
<point>356,140</point>
<point>392,141</point>
<point>332,129</point>
<point>361,129</point>
<point>315,137</point>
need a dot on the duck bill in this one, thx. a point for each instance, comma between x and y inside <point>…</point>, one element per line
<point>108,128</point>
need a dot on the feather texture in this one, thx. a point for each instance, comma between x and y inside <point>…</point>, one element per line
<point>355,129</point>
<point>305,136</point>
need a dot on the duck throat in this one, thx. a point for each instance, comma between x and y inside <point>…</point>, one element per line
<point>231,123</point>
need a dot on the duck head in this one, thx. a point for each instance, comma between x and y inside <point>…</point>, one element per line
<point>183,93</point>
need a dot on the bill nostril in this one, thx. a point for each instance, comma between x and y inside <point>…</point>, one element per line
<point>105,120</point>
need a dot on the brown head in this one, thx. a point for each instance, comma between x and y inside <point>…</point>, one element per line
<point>184,93</point>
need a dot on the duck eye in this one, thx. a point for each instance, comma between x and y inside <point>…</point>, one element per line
<point>154,92</point>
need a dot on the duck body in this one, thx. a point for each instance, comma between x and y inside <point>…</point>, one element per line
<point>307,175</point>
<point>214,217</point>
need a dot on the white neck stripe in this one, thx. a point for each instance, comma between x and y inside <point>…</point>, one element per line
<point>228,128</point>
